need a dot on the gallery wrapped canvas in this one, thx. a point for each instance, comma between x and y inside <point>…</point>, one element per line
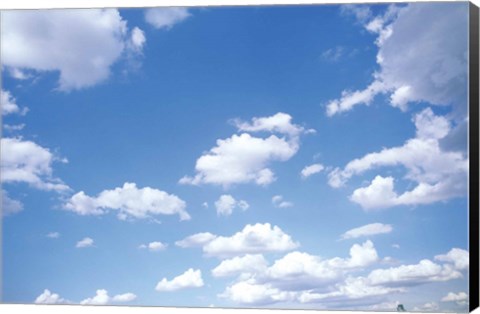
<point>302,157</point>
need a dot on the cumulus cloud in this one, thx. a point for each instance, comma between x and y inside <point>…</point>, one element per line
<point>440,175</point>
<point>293,277</point>
<point>10,206</point>
<point>196,240</point>
<point>278,201</point>
<point>46,40</point>
<point>48,297</point>
<point>311,170</point>
<point>417,64</point>
<point>154,246</point>
<point>189,279</point>
<point>27,162</point>
<point>278,123</point>
<point>458,257</point>
<point>241,265</point>
<point>166,18</point>
<point>102,298</point>
<point>367,230</point>
<point>244,158</point>
<point>299,277</point>
<point>9,104</point>
<point>130,202</point>
<point>137,40</point>
<point>409,275</point>
<point>460,298</point>
<point>251,293</point>
<point>85,242</point>
<point>227,203</point>
<point>258,238</point>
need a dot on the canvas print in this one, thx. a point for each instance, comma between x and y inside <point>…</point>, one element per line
<point>288,157</point>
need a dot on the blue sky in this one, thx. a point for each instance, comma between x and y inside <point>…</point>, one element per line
<point>282,157</point>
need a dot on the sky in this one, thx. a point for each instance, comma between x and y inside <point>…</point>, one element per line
<point>307,157</point>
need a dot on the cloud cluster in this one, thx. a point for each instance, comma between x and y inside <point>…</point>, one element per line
<point>27,162</point>
<point>227,203</point>
<point>440,175</point>
<point>46,40</point>
<point>101,298</point>
<point>303,278</point>
<point>430,66</point>
<point>189,279</point>
<point>253,239</point>
<point>244,158</point>
<point>130,202</point>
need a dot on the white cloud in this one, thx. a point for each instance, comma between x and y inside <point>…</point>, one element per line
<point>189,279</point>
<point>278,201</point>
<point>351,289</point>
<point>278,123</point>
<point>154,246</point>
<point>241,265</point>
<point>311,170</point>
<point>251,293</point>
<point>126,297</point>
<point>244,158</point>
<point>333,54</point>
<point>304,271</point>
<point>299,277</point>
<point>25,161</point>
<point>46,40</point>
<point>10,206</point>
<point>130,202</point>
<point>460,258</point>
<point>416,63</point>
<point>226,204</point>
<point>166,17</point>
<point>427,307</point>
<point>137,39</point>
<point>440,175</point>
<point>14,127</point>
<point>102,298</point>
<point>258,238</point>
<point>460,298</point>
<point>9,104</point>
<point>367,230</point>
<point>415,274</point>
<point>241,159</point>
<point>53,235</point>
<point>350,99</point>
<point>48,297</point>
<point>85,242</point>
<point>196,240</point>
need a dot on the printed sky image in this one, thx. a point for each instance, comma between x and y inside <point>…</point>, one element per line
<point>301,157</point>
